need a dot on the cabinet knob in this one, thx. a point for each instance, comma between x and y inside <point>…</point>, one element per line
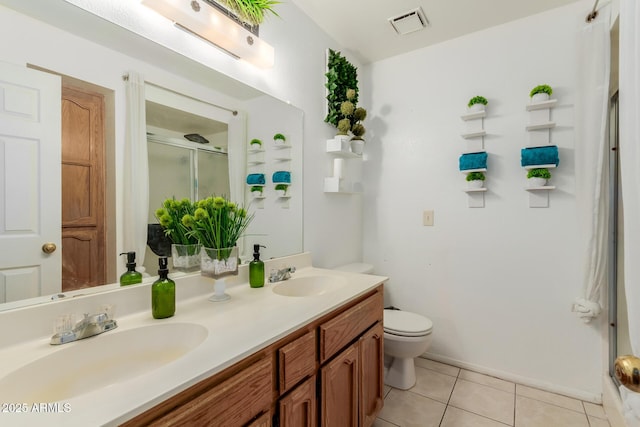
<point>49,248</point>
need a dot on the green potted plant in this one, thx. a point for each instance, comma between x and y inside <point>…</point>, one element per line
<point>538,177</point>
<point>251,12</point>
<point>256,190</point>
<point>477,103</point>
<point>282,189</point>
<point>185,248</point>
<point>255,144</point>
<point>540,93</point>
<point>279,138</point>
<point>475,179</point>
<point>351,120</point>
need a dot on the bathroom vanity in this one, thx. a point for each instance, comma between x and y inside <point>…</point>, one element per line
<point>263,358</point>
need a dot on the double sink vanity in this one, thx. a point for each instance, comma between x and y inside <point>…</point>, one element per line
<point>305,351</point>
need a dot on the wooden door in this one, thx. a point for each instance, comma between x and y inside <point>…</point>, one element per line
<point>29,182</point>
<point>83,195</point>
<point>371,375</point>
<point>339,389</point>
<point>299,408</point>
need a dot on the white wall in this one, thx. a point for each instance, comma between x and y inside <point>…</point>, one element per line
<point>497,282</point>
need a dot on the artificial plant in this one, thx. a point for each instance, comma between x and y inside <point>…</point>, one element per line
<point>341,76</point>
<point>477,100</point>
<point>541,89</point>
<point>475,176</point>
<point>250,11</point>
<point>539,173</point>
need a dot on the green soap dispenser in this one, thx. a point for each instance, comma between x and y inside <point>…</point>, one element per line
<point>256,268</point>
<point>131,276</point>
<point>163,293</point>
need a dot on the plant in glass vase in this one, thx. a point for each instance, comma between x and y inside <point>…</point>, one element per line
<point>185,248</point>
<point>218,223</point>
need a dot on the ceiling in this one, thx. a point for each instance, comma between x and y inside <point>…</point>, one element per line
<point>362,26</point>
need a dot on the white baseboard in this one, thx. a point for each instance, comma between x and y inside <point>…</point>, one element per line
<point>530,382</point>
<point>612,403</point>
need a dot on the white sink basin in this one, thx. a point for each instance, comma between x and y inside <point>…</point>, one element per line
<point>96,362</point>
<point>307,286</point>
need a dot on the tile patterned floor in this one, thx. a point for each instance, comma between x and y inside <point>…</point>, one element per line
<point>446,396</point>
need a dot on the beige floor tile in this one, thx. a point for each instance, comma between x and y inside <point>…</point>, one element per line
<point>437,366</point>
<point>594,410</point>
<point>433,384</point>
<point>535,413</point>
<point>483,400</point>
<point>487,380</point>
<point>385,390</point>
<point>407,409</point>
<point>554,399</point>
<point>382,423</point>
<point>454,417</point>
<point>598,422</point>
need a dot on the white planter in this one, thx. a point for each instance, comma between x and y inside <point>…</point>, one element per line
<point>256,193</point>
<point>476,108</point>
<point>539,97</point>
<point>476,183</point>
<point>255,146</point>
<point>536,182</point>
<point>281,193</point>
<point>356,146</point>
<point>344,141</point>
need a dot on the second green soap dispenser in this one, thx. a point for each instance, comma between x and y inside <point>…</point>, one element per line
<point>131,276</point>
<point>163,293</point>
<point>256,269</point>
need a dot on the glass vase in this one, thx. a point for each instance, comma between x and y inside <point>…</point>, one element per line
<point>218,264</point>
<point>186,257</point>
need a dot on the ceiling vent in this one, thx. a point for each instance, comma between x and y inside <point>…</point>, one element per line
<point>409,22</point>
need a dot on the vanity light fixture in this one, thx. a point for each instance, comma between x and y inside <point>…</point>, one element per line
<point>204,21</point>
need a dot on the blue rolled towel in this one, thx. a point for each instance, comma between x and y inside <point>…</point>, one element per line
<point>473,161</point>
<point>540,156</point>
<point>282,176</point>
<point>256,179</point>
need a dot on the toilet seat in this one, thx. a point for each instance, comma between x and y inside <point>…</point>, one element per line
<point>406,324</point>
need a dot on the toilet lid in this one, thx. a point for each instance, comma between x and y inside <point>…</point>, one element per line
<point>406,324</point>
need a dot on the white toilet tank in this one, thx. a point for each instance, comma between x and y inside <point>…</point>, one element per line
<point>357,267</point>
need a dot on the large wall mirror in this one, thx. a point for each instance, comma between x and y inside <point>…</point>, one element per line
<point>181,99</point>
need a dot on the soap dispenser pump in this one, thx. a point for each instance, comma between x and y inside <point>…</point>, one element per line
<point>256,268</point>
<point>163,293</point>
<point>131,276</point>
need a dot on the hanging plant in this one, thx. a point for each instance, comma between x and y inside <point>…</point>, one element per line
<point>250,11</point>
<point>341,76</point>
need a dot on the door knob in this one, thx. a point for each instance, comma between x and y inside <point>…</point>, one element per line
<point>49,248</point>
<point>628,372</point>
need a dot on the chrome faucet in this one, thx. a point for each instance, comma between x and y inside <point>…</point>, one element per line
<point>278,275</point>
<point>89,326</point>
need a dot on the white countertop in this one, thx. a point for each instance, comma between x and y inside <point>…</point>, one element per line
<point>251,320</point>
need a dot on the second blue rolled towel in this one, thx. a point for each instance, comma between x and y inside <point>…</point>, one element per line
<point>539,156</point>
<point>282,176</point>
<point>473,161</point>
<point>256,179</point>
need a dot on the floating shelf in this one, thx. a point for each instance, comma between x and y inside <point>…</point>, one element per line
<point>344,154</point>
<point>466,171</point>
<point>281,146</point>
<point>339,186</point>
<point>472,135</point>
<point>282,159</point>
<point>255,162</point>
<point>255,150</point>
<point>542,105</point>
<point>540,126</point>
<point>475,190</point>
<point>529,167</point>
<point>474,115</point>
<point>545,187</point>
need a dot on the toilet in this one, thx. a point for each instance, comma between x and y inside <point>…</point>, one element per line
<point>406,336</point>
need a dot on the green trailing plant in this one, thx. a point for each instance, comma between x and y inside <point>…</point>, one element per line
<point>255,141</point>
<point>541,89</point>
<point>256,188</point>
<point>279,136</point>
<point>282,187</point>
<point>250,11</point>
<point>217,223</point>
<point>475,176</point>
<point>170,218</point>
<point>477,100</point>
<point>539,173</point>
<point>341,76</point>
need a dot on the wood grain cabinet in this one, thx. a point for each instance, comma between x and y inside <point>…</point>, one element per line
<point>326,373</point>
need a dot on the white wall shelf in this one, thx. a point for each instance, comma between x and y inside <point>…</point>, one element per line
<point>475,134</point>
<point>344,154</point>
<point>281,146</point>
<point>255,150</point>
<point>544,187</point>
<point>540,126</point>
<point>475,115</point>
<point>468,171</point>
<point>474,190</point>
<point>282,159</point>
<point>529,167</point>
<point>343,182</point>
<point>255,162</point>
<point>545,105</point>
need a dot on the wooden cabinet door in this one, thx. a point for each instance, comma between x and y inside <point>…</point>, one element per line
<point>371,374</point>
<point>298,409</point>
<point>339,388</point>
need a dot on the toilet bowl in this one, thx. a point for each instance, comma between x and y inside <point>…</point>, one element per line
<point>406,336</point>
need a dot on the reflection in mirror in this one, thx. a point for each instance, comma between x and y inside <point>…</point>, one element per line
<point>100,67</point>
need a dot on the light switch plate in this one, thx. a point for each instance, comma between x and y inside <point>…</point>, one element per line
<point>427,218</point>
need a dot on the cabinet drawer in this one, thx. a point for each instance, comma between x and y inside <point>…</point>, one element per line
<point>233,402</point>
<point>345,327</point>
<point>296,361</point>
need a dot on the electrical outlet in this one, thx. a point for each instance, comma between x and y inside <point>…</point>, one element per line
<point>427,218</point>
